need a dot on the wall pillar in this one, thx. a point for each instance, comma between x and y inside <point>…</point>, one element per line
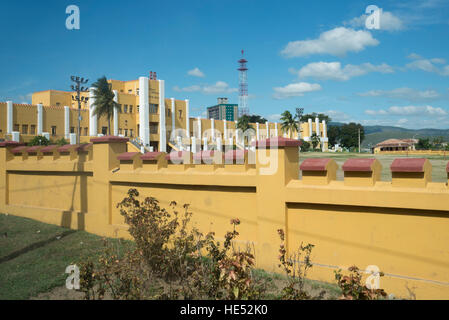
<point>310,128</point>
<point>162,126</point>
<point>9,117</point>
<point>276,129</point>
<point>268,129</point>
<point>144,117</point>
<point>212,126</point>
<point>99,220</point>
<point>93,131</point>
<point>236,133</point>
<point>66,122</point>
<point>317,126</point>
<point>187,118</point>
<point>115,116</point>
<point>40,119</point>
<point>199,129</point>
<point>257,131</point>
<point>277,163</point>
<point>225,130</point>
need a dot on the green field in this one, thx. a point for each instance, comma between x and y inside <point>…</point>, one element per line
<point>438,162</point>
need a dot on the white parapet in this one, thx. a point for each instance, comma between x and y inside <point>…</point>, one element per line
<point>162,127</point>
<point>66,122</point>
<point>92,116</point>
<point>15,135</point>
<point>317,126</point>
<point>310,128</point>
<point>268,129</point>
<point>236,133</point>
<point>324,128</point>
<point>187,118</point>
<point>173,114</point>
<point>115,116</point>
<point>194,145</point>
<point>144,117</point>
<point>72,138</point>
<point>275,129</point>
<point>9,116</point>
<point>199,134</point>
<point>40,119</point>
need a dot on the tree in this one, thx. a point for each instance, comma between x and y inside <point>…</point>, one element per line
<point>315,139</point>
<point>423,144</point>
<point>305,146</point>
<point>39,141</point>
<point>333,134</point>
<point>256,118</point>
<point>288,123</point>
<point>104,100</point>
<point>349,135</point>
<point>320,116</point>
<point>243,123</point>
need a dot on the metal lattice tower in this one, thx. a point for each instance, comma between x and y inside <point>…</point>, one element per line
<point>243,87</point>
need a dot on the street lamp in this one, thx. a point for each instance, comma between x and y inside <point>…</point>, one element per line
<point>78,89</point>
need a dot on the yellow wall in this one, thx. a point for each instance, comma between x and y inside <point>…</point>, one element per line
<point>400,226</point>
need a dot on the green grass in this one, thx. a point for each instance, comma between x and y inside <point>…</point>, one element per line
<point>40,269</point>
<point>438,162</point>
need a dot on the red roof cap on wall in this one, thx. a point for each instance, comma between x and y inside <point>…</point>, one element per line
<point>49,148</point>
<point>314,164</point>
<point>10,144</point>
<point>106,139</point>
<point>235,154</point>
<point>67,147</point>
<point>358,164</point>
<point>18,150</point>
<point>279,142</point>
<point>408,165</point>
<point>205,154</point>
<point>176,155</point>
<point>150,155</point>
<point>127,155</point>
<point>34,149</point>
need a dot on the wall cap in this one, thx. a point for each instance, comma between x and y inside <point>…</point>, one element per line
<point>205,154</point>
<point>279,142</point>
<point>34,149</point>
<point>177,155</point>
<point>357,165</point>
<point>408,165</point>
<point>151,155</point>
<point>4,144</point>
<point>108,139</point>
<point>235,154</point>
<point>18,150</point>
<point>127,155</point>
<point>315,164</point>
<point>49,148</point>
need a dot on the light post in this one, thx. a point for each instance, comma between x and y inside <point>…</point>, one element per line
<point>78,89</point>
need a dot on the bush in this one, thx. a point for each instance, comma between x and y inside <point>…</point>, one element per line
<point>62,142</point>
<point>353,289</point>
<point>39,141</point>
<point>305,146</point>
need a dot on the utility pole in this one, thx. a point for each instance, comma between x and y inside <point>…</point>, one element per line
<point>78,89</point>
<point>359,140</point>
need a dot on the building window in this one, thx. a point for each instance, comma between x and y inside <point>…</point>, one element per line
<point>153,108</point>
<point>153,127</point>
<point>125,110</point>
<point>72,129</point>
<point>180,114</point>
<point>137,108</point>
<point>137,91</point>
<point>58,104</point>
<point>131,132</point>
<point>130,90</point>
<point>126,132</point>
<point>85,131</point>
<point>53,130</point>
<point>16,127</point>
<point>24,129</point>
<point>168,113</point>
<point>130,108</point>
<point>119,130</point>
<point>120,108</point>
<point>104,130</point>
<point>33,129</point>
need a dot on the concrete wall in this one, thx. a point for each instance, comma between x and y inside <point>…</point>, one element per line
<point>400,226</point>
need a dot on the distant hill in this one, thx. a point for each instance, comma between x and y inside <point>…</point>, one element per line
<point>376,134</point>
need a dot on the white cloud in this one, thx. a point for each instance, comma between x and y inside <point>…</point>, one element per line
<point>218,87</point>
<point>403,93</point>
<point>428,65</point>
<point>338,116</point>
<point>334,71</point>
<point>295,90</point>
<point>196,73</point>
<point>337,42</point>
<point>25,99</point>
<point>388,22</point>
<point>274,117</point>
<point>420,111</point>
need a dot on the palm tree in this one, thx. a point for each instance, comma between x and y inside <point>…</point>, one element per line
<point>104,100</point>
<point>288,123</point>
<point>243,124</point>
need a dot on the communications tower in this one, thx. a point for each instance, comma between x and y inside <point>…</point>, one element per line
<point>243,87</point>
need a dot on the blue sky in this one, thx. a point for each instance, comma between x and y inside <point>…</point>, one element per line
<point>315,54</point>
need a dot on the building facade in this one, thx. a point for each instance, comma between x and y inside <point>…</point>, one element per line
<point>223,110</point>
<point>54,114</point>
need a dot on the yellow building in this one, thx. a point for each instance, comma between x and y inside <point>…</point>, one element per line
<point>54,114</point>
